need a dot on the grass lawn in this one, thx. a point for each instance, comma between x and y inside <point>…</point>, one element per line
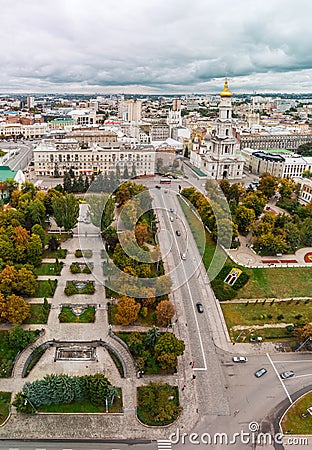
<point>49,269</point>
<point>60,253</point>
<point>263,282</point>
<point>83,407</point>
<point>45,288</point>
<point>66,315</point>
<point>38,313</point>
<point>293,422</point>
<point>260,314</point>
<point>277,334</point>
<point>5,399</point>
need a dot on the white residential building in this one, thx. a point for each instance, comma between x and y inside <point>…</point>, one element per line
<point>64,154</point>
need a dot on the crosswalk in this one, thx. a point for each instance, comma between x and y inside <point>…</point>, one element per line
<point>164,444</point>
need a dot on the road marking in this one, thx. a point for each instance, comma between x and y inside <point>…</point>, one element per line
<point>291,362</point>
<point>278,376</point>
<point>194,311</point>
<point>300,376</point>
<point>164,444</point>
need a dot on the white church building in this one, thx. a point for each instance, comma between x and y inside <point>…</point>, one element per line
<point>219,158</point>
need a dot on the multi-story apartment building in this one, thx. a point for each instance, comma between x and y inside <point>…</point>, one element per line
<point>269,141</point>
<point>34,131</point>
<point>86,136</point>
<point>59,156</point>
<point>305,195</point>
<point>280,164</point>
<point>130,110</point>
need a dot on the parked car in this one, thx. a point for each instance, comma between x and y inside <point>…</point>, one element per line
<point>171,219</point>
<point>240,359</point>
<point>178,232</point>
<point>288,374</point>
<point>183,256</point>
<point>199,307</point>
<point>260,372</point>
<point>171,210</point>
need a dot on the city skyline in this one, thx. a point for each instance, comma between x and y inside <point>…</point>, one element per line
<point>156,48</point>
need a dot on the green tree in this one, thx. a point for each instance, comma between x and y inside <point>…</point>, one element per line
<point>37,229</point>
<point>34,250</point>
<point>286,188</point>
<point>151,337</point>
<point>101,210</point>
<point>66,211</point>
<point>36,212</point>
<point>19,338</point>
<point>244,218</point>
<point>126,173</point>
<point>256,201</point>
<point>306,232</point>
<point>167,349</point>
<point>268,184</point>
<point>67,183</point>
<point>97,388</point>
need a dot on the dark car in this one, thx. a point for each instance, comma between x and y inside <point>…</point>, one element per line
<point>157,187</point>
<point>199,307</point>
<point>178,232</point>
<point>260,372</point>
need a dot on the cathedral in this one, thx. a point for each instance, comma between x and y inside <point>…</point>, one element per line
<point>219,158</point>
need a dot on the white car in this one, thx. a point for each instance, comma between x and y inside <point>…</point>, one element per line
<point>171,219</point>
<point>183,256</point>
<point>240,359</point>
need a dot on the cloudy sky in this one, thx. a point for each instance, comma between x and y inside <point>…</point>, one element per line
<point>155,46</point>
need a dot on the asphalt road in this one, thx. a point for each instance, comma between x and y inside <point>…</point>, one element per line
<point>74,445</point>
<point>23,153</point>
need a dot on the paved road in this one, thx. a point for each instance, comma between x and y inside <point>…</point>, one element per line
<point>74,445</point>
<point>22,153</point>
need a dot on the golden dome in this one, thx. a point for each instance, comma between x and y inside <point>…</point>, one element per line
<point>226,92</point>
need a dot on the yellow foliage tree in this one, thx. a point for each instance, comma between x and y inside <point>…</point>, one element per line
<point>127,310</point>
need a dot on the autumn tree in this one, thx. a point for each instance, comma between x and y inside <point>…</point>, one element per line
<point>127,310</point>
<point>14,309</point>
<point>141,234</point>
<point>165,310</point>
<point>286,188</point>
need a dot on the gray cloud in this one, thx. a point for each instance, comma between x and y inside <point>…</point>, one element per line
<point>159,45</point>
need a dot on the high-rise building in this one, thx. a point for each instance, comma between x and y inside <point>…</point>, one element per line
<point>130,110</point>
<point>30,102</point>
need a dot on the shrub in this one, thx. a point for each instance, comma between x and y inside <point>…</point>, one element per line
<point>74,268</point>
<point>280,317</point>
<point>290,328</point>
<point>144,311</point>
<point>78,253</point>
<point>70,289</point>
<point>298,316</point>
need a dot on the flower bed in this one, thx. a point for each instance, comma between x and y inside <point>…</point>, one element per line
<point>289,261</point>
<point>308,257</point>
<point>270,261</point>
